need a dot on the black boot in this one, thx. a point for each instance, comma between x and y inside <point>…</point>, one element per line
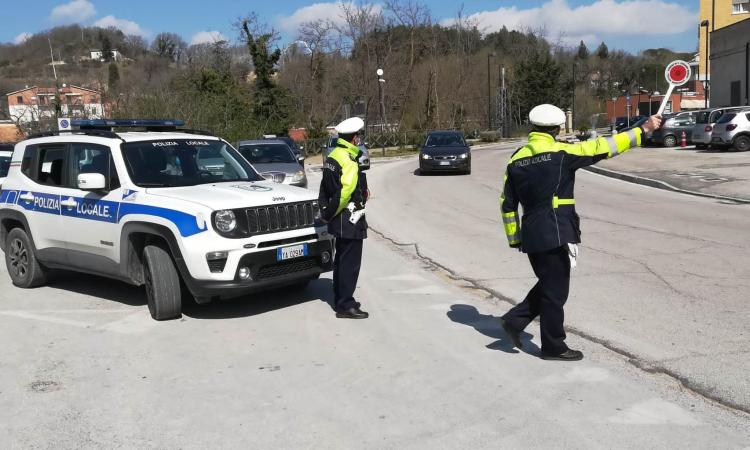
<point>352,313</point>
<point>567,355</point>
<point>512,334</point>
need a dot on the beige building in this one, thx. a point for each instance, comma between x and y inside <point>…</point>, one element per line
<point>717,14</point>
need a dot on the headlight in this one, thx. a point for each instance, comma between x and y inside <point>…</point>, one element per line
<point>225,221</point>
<point>463,155</point>
<point>299,176</point>
<point>426,156</point>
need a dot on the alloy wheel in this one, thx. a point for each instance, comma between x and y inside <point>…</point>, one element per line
<point>19,258</point>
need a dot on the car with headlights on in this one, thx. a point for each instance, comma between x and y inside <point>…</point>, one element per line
<point>144,202</point>
<point>275,161</point>
<point>445,151</point>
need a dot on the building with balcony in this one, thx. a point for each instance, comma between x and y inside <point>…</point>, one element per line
<point>34,104</point>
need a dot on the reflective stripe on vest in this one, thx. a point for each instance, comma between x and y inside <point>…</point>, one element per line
<point>557,202</point>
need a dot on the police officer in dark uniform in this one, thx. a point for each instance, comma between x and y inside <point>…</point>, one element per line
<point>342,198</point>
<point>541,176</point>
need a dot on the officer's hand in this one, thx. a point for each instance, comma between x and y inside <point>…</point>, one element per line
<point>653,123</point>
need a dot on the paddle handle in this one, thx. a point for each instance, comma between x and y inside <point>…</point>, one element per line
<point>665,100</point>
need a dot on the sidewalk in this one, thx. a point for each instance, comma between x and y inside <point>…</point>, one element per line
<point>703,172</point>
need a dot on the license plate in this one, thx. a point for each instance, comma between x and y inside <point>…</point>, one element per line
<point>445,163</point>
<point>295,251</point>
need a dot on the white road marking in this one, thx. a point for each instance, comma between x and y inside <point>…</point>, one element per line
<point>578,375</point>
<point>135,323</point>
<point>425,290</point>
<point>654,412</point>
<point>58,320</point>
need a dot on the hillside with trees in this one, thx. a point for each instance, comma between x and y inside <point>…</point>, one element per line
<point>436,76</point>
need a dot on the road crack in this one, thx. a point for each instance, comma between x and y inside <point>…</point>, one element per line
<point>650,367</point>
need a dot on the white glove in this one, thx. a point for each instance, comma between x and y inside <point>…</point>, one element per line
<point>573,255</point>
<point>355,214</point>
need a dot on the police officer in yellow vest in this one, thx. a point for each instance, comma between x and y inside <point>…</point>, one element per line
<point>540,176</point>
<point>342,198</point>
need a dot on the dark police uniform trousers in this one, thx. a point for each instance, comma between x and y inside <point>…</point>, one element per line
<point>541,177</point>
<point>341,174</point>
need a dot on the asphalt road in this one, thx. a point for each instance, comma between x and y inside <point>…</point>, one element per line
<point>83,366</point>
<point>663,277</point>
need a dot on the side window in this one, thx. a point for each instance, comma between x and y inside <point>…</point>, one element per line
<point>27,164</point>
<point>51,166</point>
<point>92,158</point>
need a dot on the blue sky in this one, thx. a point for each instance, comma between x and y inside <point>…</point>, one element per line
<point>625,24</point>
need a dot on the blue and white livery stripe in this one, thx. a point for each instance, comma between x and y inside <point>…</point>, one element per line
<point>99,210</point>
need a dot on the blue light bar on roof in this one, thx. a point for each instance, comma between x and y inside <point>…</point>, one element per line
<point>133,123</point>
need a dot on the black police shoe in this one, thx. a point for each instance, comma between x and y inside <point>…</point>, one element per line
<point>352,313</point>
<point>512,334</point>
<point>567,355</point>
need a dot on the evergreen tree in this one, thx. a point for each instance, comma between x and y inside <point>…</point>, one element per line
<point>602,51</point>
<point>539,80</point>
<point>583,51</point>
<point>107,54</point>
<point>113,78</point>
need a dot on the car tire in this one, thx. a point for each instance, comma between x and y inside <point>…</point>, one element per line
<point>162,284</point>
<point>468,171</point>
<point>23,267</point>
<point>670,141</point>
<point>742,143</point>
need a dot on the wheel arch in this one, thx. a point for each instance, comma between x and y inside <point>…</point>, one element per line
<point>135,236</point>
<point>10,219</point>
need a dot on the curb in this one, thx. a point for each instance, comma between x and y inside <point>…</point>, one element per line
<point>660,184</point>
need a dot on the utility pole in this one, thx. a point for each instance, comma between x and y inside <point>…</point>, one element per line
<point>381,82</point>
<point>503,102</point>
<point>52,57</point>
<point>489,91</point>
<point>573,109</point>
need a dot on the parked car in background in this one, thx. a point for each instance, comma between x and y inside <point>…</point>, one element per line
<point>275,161</point>
<point>670,133</point>
<point>705,120</point>
<point>445,150</point>
<point>733,130</point>
<point>624,122</point>
<point>6,152</point>
<point>298,151</point>
<point>364,159</point>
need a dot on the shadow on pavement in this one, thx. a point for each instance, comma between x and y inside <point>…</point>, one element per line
<point>100,287</point>
<point>262,302</point>
<point>489,326</point>
<point>250,305</point>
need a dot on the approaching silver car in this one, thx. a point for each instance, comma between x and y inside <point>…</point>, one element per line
<point>275,161</point>
<point>733,129</point>
<point>704,124</point>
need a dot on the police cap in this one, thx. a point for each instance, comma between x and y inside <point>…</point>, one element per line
<point>350,126</point>
<point>547,116</point>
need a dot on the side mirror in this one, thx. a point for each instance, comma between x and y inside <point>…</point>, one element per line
<point>301,159</point>
<point>91,182</point>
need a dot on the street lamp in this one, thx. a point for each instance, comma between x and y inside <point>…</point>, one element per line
<point>381,82</point>
<point>489,90</point>
<point>705,24</point>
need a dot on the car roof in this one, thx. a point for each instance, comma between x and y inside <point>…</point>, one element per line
<point>444,132</point>
<point>263,142</point>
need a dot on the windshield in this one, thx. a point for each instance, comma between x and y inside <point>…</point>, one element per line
<point>4,166</point>
<point>726,118</point>
<point>185,162</point>
<point>445,140</point>
<point>267,153</point>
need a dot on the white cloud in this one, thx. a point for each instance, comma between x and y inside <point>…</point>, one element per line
<point>332,11</point>
<point>126,26</point>
<point>21,38</point>
<point>207,37</point>
<point>75,11</point>
<point>590,22</point>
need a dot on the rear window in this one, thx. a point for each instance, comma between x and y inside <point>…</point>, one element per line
<point>726,118</point>
<point>702,117</point>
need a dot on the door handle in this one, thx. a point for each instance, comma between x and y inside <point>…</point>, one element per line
<point>69,203</point>
<point>27,197</point>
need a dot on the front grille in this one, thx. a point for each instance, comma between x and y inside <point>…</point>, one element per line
<point>276,177</point>
<point>445,158</point>
<point>286,268</point>
<point>272,219</point>
<point>217,265</point>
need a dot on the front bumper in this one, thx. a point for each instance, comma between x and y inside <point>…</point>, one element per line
<point>265,272</point>
<point>428,165</point>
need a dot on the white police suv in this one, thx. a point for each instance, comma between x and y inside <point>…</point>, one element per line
<point>155,206</point>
